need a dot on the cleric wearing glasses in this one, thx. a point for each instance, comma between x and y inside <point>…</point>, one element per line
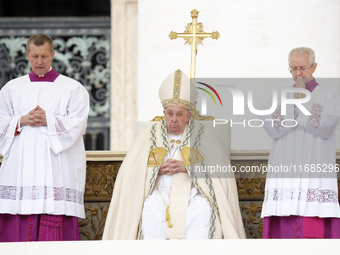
<point>305,203</point>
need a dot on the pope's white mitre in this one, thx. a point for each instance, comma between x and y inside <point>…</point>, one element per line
<point>177,89</point>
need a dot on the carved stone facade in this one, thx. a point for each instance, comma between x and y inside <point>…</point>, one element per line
<point>251,192</point>
<point>101,172</point>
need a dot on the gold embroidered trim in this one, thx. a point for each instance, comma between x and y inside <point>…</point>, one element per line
<point>156,156</point>
<point>180,102</point>
<point>191,156</point>
<point>176,94</point>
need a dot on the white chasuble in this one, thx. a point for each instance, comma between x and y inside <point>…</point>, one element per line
<point>43,168</point>
<point>308,154</point>
<point>194,210</point>
<point>138,210</point>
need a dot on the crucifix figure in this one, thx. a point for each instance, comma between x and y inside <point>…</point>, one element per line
<point>193,35</point>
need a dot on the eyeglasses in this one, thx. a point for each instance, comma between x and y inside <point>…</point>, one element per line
<point>301,69</point>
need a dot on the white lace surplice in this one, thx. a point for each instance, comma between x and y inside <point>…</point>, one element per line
<point>303,147</point>
<point>43,168</point>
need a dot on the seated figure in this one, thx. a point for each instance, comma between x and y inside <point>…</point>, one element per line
<point>163,190</point>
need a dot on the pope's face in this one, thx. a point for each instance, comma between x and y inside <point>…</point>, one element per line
<point>40,58</point>
<point>176,118</point>
<point>300,66</point>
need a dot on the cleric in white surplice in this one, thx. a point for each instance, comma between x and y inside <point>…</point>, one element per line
<point>303,203</point>
<point>43,116</point>
<point>158,195</point>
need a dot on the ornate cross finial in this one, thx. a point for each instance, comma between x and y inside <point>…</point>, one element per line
<point>193,35</point>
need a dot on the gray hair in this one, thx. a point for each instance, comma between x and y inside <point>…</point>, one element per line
<point>300,51</point>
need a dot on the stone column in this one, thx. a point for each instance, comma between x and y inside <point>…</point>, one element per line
<point>124,46</point>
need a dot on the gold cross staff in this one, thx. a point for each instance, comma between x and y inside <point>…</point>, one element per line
<point>194,35</point>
